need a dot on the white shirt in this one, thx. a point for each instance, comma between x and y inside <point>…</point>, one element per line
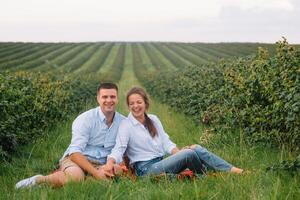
<point>139,145</point>
<point>92,137</point>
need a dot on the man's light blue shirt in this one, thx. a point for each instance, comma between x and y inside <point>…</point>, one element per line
<point>92,137</point>
<point>136,140</point>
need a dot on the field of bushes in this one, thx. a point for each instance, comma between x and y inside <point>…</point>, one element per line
<point>42,82</point>
<point>241,100</point>
<point>259,93</point>
<point>32,102</point>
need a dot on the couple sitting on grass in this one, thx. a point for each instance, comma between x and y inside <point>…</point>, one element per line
<point>101,136</point>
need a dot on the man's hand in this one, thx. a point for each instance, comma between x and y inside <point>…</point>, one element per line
<point>108,169</point>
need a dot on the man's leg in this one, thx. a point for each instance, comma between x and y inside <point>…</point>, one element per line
<point>68,171</point>
<point>60,178</point>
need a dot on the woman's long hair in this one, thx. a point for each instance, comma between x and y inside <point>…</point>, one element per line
<point>148,122</point>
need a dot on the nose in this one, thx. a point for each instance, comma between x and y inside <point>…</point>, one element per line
<point>109,99</point>
<point>134,105</point>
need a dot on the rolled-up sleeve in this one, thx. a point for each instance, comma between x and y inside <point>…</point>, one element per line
<point>80,135</point>
<point>121,143</point>
<point>168,145</point>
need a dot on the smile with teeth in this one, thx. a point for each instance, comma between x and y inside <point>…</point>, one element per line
<point>136,110</point>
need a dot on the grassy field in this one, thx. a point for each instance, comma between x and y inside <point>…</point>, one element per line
<point>42,156</point>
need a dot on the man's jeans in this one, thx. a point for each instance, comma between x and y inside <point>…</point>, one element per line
<point>198,160</point>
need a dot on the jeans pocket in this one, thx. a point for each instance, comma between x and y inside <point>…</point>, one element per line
<point>141,172</point>
<point>143,167</point>
<point>140,168</point>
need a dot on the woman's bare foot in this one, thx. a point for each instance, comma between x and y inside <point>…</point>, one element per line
<point>236,170</point>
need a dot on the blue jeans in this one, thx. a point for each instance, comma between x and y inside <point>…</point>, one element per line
<point>199,160</point>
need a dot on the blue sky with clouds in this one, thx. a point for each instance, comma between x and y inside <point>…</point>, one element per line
<point>155,20</point>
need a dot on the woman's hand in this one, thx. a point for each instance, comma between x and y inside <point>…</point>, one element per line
<point>108,169</point>
<point>193,146</point>
<point>100,174</point>
<point>186,147</point>
<point>175,150</point>
<point>117,169</point>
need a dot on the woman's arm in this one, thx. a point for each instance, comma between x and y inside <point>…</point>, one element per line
<point>168,146</point>
<point>108,167</point>
<point>120,147</point>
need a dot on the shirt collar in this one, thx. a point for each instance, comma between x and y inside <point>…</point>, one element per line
<point>133,120</point>
<point>101,115</point>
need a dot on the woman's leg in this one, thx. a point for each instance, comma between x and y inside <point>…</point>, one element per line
<point>176,163</point>
<point>210,160</point>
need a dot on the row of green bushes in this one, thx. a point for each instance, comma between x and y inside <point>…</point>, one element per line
<point>260,94</point>
<point>30,103</point>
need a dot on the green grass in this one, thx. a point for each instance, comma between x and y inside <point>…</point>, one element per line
<point>43,154</point>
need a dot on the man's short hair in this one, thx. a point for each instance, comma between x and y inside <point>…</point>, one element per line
<point>107,85</point>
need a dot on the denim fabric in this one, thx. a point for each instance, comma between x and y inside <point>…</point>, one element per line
<point>198,160</point>
<point>142,167</point>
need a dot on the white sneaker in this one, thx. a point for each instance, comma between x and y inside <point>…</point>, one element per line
<point>28,182</point>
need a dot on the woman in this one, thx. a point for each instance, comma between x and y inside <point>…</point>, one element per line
<point>143,138</point>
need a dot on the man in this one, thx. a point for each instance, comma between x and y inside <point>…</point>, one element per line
<point>93,137</point>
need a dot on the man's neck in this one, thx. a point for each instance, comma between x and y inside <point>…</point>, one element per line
<point>109,118</point>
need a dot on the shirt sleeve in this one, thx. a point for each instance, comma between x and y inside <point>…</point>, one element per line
<point>168,145</point>
<point>80,135</point>
<point>122,140</point>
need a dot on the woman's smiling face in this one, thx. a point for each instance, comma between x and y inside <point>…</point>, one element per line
<point>137,107</point>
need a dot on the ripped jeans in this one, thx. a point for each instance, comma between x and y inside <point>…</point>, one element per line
<point>199,160</point>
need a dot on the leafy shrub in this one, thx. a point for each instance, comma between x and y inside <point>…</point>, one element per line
<point>292,166</point>
<point>259,93</point>
<point>265,95</point>
<point>29,103</point>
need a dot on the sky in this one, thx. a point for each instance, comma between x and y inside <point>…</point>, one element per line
<point>152,20</point>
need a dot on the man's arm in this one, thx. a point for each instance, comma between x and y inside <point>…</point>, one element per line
<point>84,164</point>
<point>80,136</point>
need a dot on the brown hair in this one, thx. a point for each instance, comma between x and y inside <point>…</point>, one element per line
<point>148,122</point>
<point>106,85</point>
